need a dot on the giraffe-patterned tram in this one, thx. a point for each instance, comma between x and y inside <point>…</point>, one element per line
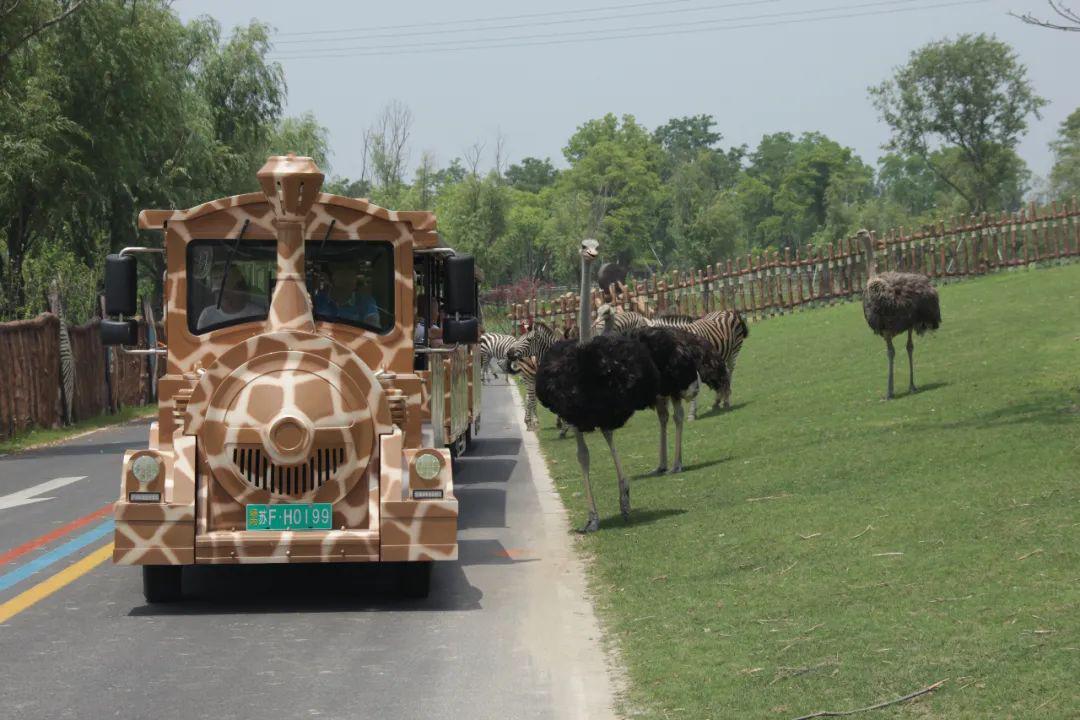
<point>319,371</point>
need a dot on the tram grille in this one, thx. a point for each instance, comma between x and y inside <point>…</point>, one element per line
<point>259,471</point>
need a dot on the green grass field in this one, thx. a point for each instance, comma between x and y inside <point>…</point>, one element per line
<point>827,550</point>
<point>46,436</point>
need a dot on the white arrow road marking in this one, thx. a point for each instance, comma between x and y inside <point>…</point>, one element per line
<point>27,496</point>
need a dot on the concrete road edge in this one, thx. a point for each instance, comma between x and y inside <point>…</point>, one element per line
<point>573,631</point>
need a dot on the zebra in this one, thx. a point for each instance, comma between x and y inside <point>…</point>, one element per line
<point>493,346</point>
<point>725,330</point>
<point>527,352</point>
<point>525,366</point>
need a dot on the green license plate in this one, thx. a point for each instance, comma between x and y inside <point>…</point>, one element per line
<point>289,516</point>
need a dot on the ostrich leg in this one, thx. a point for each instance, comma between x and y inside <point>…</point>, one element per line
<point>662,416</point>
<point>624,486</point>
<point>911,363</point>
<point>676,467</point>
<point>593,523</point>
<point>891,351</point>
<point>692,414</point>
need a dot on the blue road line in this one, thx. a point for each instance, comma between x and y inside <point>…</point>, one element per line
<point>74,545</point>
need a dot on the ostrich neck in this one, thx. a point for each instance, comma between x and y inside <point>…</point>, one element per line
<point>585,309</point>
<point>871,261</point>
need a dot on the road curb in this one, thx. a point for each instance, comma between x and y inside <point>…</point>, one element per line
<point>597,665</point>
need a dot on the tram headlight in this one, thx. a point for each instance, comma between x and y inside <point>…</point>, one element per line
<point>146,469</point>
<point>427,466</point>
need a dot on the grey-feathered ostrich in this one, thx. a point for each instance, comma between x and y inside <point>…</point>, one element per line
<point>895,302</point>
<point>611,277</point>
<point>600,382</point>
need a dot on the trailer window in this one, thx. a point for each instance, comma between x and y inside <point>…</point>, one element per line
<point>349,281</point>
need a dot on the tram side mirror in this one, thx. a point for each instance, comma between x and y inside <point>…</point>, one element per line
<point>120,332</point>
<point>465,330</point>
<point>121,285</point>
<point>460,285</point>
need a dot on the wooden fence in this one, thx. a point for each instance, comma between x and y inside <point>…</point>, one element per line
<point>30,394</point>
<point>770,284</point>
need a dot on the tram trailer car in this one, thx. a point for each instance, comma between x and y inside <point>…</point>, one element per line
<point>319,371</point>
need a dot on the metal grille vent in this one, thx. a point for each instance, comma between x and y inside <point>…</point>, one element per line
<point>260,471</point>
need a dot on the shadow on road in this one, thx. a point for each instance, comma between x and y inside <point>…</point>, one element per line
<point>311,588</point>
<point>488,447</point>
<point>472,470</point>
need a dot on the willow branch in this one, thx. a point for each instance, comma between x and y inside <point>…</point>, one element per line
<point>40,29</point>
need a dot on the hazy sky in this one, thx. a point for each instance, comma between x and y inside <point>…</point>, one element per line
<point>685,58</point>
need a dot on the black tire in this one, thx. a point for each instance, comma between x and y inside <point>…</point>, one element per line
<point>414,579</point>
<point>161,583</point>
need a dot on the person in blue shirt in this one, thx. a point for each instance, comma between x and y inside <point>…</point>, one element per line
<point>347,298</point>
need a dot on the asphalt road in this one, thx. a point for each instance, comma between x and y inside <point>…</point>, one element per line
<point>506,632</point>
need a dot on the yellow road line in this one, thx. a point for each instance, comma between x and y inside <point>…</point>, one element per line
<point>45,588</point>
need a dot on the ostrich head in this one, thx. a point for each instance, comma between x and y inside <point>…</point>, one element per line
<point>590,249</point>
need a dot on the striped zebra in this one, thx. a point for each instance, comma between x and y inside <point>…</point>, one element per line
<point>526,368</point>
<point>493,346</point>
<point>725,330</point>
<point>523,357</point>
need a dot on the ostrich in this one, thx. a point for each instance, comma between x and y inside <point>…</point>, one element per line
<point>894,302</point>
<point>682,362</point>
<point>713,362</point>
<point>611,277</point>
<point>600,382</point>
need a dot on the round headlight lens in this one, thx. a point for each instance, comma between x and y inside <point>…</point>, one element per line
<point>427,466</point>
<point>145,468</point>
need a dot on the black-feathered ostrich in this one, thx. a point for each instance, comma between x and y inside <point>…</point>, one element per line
<point>683,361</point>
<point>600,382</point>
<point>895,302</point>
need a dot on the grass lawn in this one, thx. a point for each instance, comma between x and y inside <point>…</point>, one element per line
<point>827,550</point>
<point>47,436</point>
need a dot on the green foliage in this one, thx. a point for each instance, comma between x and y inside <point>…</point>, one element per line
<point>614,168</point>
<point>302,135</point>
<point>532,175</point>
<point>118,107</point>
<point>972,96</point>
<point>473,218</point>
<point>1065,177</point>
<point>825,550</point>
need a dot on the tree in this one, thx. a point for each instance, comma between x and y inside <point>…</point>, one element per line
<point>796,189</point>
<point>304,136</point>
<point>971,94</point>
<point>1070,17</point>
<point>473,217</point>
<point>685,137</point>
<point>614,166</point>
<point>389,138</point>
<point>110,109</point>
<point>1065,175</point>
<point>532,174</point>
